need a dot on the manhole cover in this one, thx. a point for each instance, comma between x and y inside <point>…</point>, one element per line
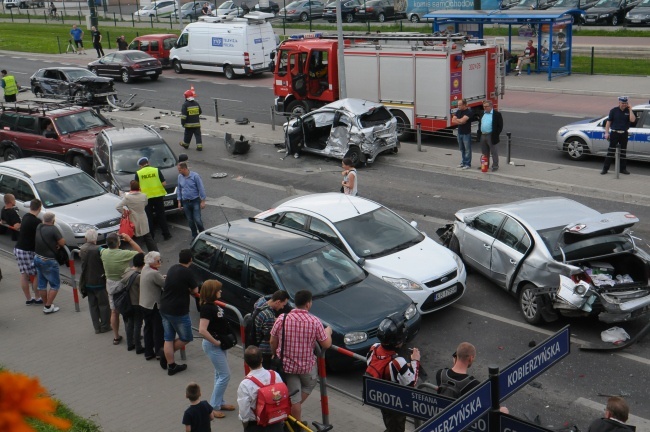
<point>219,175</point>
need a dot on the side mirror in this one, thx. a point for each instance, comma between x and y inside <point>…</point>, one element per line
<point>272,55</point>
<point>51,134</point>
<point>414,224</point>
<point>101,170</point>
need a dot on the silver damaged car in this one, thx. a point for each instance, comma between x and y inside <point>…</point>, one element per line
<point>557,256</point>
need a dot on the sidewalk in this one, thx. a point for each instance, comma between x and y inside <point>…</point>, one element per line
<point>118,389</point>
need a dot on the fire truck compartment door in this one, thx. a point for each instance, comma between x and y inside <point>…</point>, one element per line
<point>474,77</point>
<point>396,79</point>
<point>432,86</point>
<point>362,77</point>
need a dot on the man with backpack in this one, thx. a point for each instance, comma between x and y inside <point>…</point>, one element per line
<point>262,397</point>
<point>385,363</point>
<point>258,329</point>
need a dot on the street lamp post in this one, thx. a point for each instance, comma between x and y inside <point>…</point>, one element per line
<point>339,30</point>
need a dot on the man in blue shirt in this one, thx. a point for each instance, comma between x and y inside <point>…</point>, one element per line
<point>490,126</point>
<point>191,197</point>
<point>77,36</point>
<point>618,123</point>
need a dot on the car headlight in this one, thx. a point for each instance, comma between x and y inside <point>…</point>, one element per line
<point>403,284</point>
<point>411,311</point>
<point>80,228</point>
<point>355,338</point>
<point>563,130</point>
<point>459,263</point>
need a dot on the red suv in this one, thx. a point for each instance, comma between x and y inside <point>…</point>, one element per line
<point>44,129</point>
<point>156,45</point>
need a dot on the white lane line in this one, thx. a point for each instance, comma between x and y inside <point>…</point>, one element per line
<point>570,116</point>
<point>248,85</point>
<point>543,331</point>
<point>515,111</point>
<point>640,423</point>
<point>143,89</point>
<point>229,100</point>
<point>21,73</point>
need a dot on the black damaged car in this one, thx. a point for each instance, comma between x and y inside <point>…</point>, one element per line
<point>75,84</point>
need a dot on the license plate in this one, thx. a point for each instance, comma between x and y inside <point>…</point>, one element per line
<point>590,20</point>
<point>169,203</point>
<point>151,72</point>
<point>445,293</point>
<point>636,21</point>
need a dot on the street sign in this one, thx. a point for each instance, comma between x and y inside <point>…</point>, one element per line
<point>410,401</point>
<point>508,423</point>
<point>464,412</point>
<point>533,363</point>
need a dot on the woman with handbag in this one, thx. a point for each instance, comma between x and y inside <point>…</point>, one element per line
<point>132,208</point>
<point>217,338</point>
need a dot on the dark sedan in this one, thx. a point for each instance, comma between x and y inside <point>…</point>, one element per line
<point>576,6</point>
<point>640,15</point>
<point>532,5</point>
<point>609,12</point>
<point>71,83</point>
<point>378,10</point>
<point>272,7</point>
<point>127,65</point>
<point>348,11</point>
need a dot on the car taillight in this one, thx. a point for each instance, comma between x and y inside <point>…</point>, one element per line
<point>291,11</point>
<point>369,9</point>
<point>247,60</point>
<point>579,277</point>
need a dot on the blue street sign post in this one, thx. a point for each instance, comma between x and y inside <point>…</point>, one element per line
<point>527,367</point>
<point>464,412</point>
<point>409,401</point>
<point>508,423</point>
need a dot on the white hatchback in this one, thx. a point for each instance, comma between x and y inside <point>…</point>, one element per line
<point>157,9</point>
<point>382,242</point>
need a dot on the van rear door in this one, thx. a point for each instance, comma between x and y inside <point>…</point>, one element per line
<point>260,41</point>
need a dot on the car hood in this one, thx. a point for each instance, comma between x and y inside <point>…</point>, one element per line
<point>342,310</point>
<point>640,10</point>
<point>170,174</point>
<point>92,211</point>
<point>420,263</point>
<point>89,79</point>
<point>84,139</point>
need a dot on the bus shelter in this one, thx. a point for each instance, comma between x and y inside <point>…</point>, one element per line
<point>551,31</point>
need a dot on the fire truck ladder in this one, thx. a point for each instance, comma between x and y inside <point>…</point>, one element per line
<point>500,44</point>
<point>406,38</point>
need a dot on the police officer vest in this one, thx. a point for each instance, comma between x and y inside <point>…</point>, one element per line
<point>150,183</point>
<point>11,88</point>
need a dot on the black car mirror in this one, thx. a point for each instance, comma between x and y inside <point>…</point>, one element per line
<point>272,55</point>
<point>101,170</point>
<point>51,134</point>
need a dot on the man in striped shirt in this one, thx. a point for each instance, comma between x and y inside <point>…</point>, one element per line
<point>301,331</point>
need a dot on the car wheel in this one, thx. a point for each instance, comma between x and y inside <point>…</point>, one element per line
<point>354,153</point>
<point>81,163</point>
<point>125,76</point>
<point>404,131</point>
<point>614,20</point>
<point>576,148</point>
<point>82,97</point>
<point>381,17</point>
<point>348,18</point>
<point>304,17</point>
<point>531,304</point>
<point>298,108</point>
<point>229,72</point>
<point>415,18</point>
<point>177,67</point>
<point>11,154</point>
<point>155,77</point>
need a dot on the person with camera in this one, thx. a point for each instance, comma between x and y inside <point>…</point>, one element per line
<point>618,123</point>
<point>385,363</point>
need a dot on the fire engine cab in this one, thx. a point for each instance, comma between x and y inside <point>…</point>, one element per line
<point>419,77</point>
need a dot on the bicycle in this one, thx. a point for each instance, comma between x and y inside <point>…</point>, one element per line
<point>53,15</point>
<point>71,47</point>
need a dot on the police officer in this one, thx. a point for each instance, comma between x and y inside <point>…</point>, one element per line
<point>618,123</point>
<point>152,184</point>
<point>384,362</point>
<point>191,121</point>
<point>9,85</point>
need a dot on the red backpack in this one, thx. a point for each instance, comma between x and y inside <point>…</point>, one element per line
<point>378,367</point>
<point>273,403</point>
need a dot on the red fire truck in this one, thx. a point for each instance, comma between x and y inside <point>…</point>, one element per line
<point>419,78</point>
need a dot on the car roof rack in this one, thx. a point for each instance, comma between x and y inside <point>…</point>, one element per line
<point>36,106</point>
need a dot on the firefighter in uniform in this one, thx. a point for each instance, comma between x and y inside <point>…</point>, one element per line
<point>384,362</point>
<point>152,184</point>
<point>10,87</point>
<point>191,121</point>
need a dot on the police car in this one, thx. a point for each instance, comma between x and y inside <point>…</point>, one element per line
<point>587,137</point>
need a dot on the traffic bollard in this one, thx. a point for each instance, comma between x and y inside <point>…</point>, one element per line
<point>419,136</point>
<point>508,146</point>
<point>216,110</point>
<point>272,118</point>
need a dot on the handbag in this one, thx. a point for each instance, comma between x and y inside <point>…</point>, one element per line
<point>122,298</point>
<point>276,361</point>
<point>126,226</point>
<point>60,254</point>
<point>227,340</point>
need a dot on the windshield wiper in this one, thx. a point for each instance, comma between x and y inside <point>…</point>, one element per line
<point>396,248</point>
<point>80,199</point>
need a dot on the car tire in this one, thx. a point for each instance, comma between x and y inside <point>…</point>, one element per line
<point>82,97</point>
<point>415,19</point>
<point>404,132</point>
<point>178,68</point>
<point>126,78</point>
<point>614,20</point>
<point>82,163</point>
<point>298,108</point>
<point>381,18</point>
<point>354,153</point>
<point>576,148</point>
<point>530,304</point>
<point>11,153</point>
<point>229,72</point>
<point>348,18</point>
<point>155,77</point>
<point>304,17</point>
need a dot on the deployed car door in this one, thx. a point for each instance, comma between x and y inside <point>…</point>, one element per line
<point>479,237</point>
<point>639,142</point>
<point>512,243</point>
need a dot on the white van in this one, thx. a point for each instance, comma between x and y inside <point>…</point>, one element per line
<point>235,46</point>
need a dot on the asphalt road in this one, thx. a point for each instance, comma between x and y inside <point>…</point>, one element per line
<point>486,316</point>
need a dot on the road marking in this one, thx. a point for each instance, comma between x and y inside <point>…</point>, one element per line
<point>570,116</point>
<point>247,85</point>
<point>640,423</point>
<point>21,73</point>
<point>142,89</point>
<point>229,100</point>
<point>540,330</point>
<point>515,111</point>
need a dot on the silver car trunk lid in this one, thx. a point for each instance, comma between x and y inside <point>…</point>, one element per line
<point>608,222</point>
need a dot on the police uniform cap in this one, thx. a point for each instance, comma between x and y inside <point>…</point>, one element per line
<point>143,160</point>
